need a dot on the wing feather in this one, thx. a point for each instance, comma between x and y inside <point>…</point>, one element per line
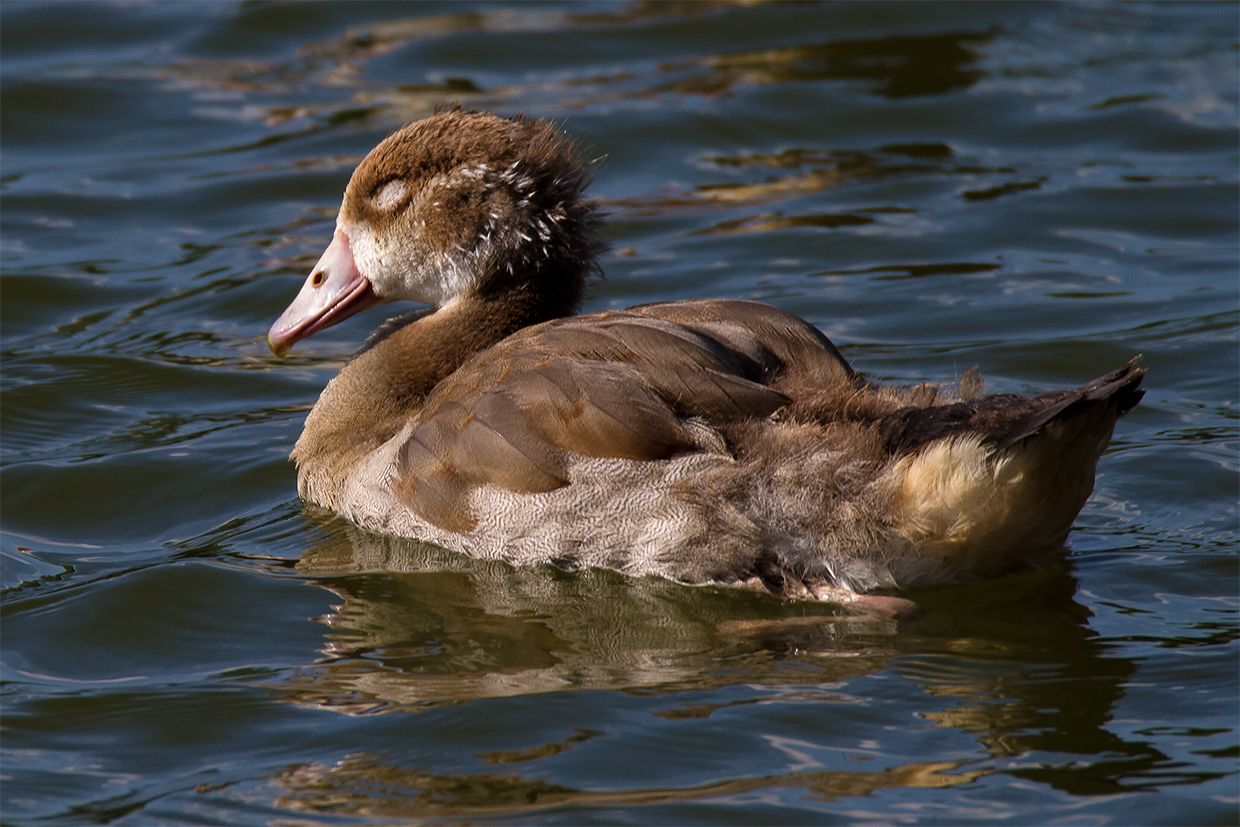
<point>615,384</point>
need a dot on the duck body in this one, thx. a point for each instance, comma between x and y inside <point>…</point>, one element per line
<point>709,441</point>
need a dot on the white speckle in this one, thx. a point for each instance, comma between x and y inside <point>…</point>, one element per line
<point>390,194</point>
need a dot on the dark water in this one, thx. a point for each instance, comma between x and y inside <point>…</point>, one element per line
<point>1042,189</point>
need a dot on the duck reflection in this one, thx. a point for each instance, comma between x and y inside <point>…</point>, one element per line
<point>1029,679</point>
<point>1011,662</point>
<point>422,626</point>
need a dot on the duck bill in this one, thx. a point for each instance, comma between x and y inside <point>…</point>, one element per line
<point>333,292</point>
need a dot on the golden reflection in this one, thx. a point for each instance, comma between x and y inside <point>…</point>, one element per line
<point>360,785</point>
<point>382,37</point>
<point>812,171</point>
<point>521,756</point>
<point>767,222</point>
<point>773,189</point>
<point>805,171</point>
<point>892,66</point>
<point>339,62</point>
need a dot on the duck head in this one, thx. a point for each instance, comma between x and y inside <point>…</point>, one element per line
<point>459,204</point>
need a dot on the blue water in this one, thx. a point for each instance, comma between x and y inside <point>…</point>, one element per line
<point>1042,189</point>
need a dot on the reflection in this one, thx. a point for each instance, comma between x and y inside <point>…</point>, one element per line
<point>899,272</point>
<point>1028,677</point>
<point>895,67</point>
<point>360,785</point>
<point>810,171</point>
<point>422,626</point>
<point>768,222</point>
<point>521,756</point>
<point>1012,662</point>
<point>234,75</point>
<point>1010,188</point>
<point>339,63</point>
<point>382,37</point>
<point>804,171</point>
<point>168,429</point>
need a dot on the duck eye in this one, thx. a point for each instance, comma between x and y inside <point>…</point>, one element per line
<point>390,194</point>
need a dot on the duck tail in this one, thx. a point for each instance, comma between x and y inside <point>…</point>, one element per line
<point>988,482</point>
<point>1120,389</point>
<point>1002,420</point>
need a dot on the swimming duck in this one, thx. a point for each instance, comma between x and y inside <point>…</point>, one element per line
<point>707,441</point>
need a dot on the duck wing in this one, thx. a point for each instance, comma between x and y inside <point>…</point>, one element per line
<point>636,384</point>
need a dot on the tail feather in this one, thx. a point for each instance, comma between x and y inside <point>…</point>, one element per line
<point>1004,419</point>
<point>1122,387</point>
<point>1008,476</point>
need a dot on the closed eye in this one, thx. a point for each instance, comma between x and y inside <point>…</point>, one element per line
<point>390,195</point>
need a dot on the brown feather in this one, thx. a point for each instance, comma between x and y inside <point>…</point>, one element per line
<point>616,385</point>
<point>707,441</point>
<point>429,483</point>
<point>1002,420</point>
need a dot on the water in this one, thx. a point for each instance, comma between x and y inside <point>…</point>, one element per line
<point>1043,189</point>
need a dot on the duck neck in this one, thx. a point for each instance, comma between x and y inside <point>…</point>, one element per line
<point>376,393</point>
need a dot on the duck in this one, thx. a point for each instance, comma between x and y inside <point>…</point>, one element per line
<point>710,441</point>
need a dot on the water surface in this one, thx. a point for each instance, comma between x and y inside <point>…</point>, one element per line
<point>1044,190</point>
